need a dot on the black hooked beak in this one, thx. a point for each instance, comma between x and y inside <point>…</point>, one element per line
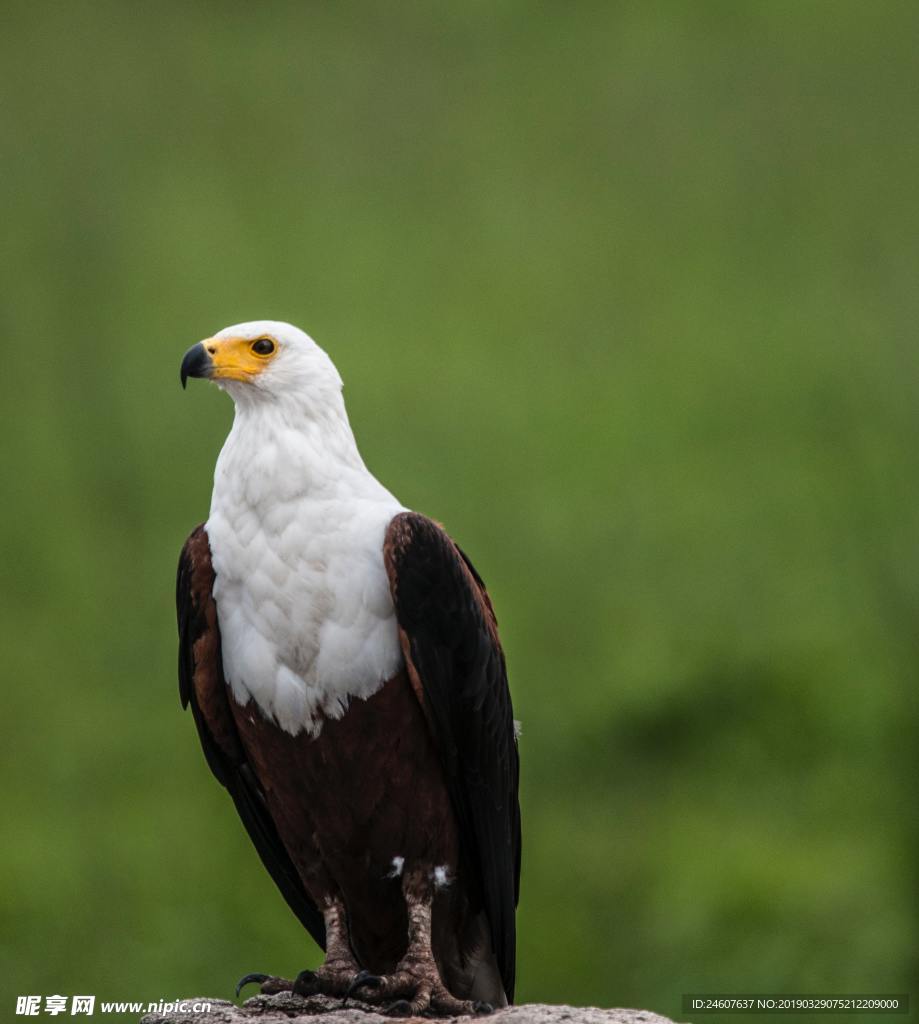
<point>196,363</point>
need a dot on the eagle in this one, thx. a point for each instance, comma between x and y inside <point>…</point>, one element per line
<point>341,660</point>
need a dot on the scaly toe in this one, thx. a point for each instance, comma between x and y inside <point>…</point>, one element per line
<point>447,1005</point>
<point>272,985</point>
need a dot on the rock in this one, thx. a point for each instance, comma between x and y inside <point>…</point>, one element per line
<point>286,1008</point>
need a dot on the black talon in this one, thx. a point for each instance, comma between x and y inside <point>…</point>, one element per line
<point>360,979</point>
<point>400,1008</point>
<point>305,984</point>
<point>481,1009</point>
<point>249,979</point>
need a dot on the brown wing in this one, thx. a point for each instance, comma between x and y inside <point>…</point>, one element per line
<point>450,642</point>
<point>202,685</point>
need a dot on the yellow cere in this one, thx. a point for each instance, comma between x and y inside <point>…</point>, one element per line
<point>239,358</point>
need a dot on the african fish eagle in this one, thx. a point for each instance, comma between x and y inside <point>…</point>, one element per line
<point>341,658</point>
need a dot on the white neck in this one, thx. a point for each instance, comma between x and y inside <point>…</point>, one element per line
<point>285,446</point>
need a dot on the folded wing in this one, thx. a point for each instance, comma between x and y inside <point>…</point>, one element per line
<point>203,687</point>
<point>450,642</point>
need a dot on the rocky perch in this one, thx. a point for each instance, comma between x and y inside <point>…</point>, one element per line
<point>286,1008</point>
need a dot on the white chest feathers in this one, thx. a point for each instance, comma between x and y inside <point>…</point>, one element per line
<point>303,601</point>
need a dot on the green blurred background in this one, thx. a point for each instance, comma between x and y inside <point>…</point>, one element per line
<point>626,295</point>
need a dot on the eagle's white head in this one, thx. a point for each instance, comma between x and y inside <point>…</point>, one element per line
<point>265,360</point>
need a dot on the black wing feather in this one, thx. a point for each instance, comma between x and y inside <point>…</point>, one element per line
<point>451,635</point>
<point>234,772</point>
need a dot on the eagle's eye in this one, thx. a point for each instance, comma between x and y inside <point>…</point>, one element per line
<point>263,347</point>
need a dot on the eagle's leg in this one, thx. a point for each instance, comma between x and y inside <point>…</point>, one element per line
<point>340,970</point>
<point>338,974</point>
<point>416,984</point>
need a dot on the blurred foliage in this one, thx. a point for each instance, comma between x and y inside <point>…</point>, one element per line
<point>626,295</point>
